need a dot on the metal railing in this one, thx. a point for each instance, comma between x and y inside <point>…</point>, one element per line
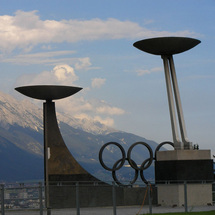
<point>22,196</point>
<point>213,192</point>
<point>31,196</point>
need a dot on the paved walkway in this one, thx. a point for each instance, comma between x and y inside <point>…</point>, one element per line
<point>130,210</point>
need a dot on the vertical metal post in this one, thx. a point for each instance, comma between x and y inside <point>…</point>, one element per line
<point>41,198</point>
<point>187,143</point>
<point>46,105</point>
<point>77,199</point>
<point>150,200</point>
<point>175,135</point>
<point>48,211</point>
<point>2,199</point>
<point>185,196</point>
<point>114,197</point>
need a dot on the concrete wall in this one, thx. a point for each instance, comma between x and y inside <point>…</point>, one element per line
<point>173,194</point>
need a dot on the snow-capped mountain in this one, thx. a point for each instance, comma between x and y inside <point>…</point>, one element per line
<point>87,125</point>
<point>26,114</point>
<point>22,113</point>
<point>21,140</point>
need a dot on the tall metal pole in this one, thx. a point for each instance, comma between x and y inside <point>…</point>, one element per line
<point>46,156</point>
<point>187,143</point>
<point>176,139</point>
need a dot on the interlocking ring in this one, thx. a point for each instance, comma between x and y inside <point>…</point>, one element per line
<point>115,167</point>
<point>114,173</point>
<point>149,160</point>
<point>160,145</point>
<point>141,171</point>
<point>118,164</point>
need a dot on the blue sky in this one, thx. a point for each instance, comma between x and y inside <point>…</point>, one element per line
<point>90,44</point>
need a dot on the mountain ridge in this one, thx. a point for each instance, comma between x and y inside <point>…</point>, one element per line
<point>21,133</point>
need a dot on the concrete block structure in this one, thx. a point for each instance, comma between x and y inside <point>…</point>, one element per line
<point>184,172</point>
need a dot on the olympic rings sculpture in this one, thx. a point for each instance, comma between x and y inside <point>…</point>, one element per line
<point>138,168</point>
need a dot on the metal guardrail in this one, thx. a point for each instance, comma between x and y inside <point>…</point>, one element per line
<point>22,196</point>
<point>213,192</point>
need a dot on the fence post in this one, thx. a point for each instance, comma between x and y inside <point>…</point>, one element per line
<point>2,199</point>
<point>185,196</point>
<point>149,195</point>
<point>114,197</point>
<point>77,198</point>
<point>41,198</point>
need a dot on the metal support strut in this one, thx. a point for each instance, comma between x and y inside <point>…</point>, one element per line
<point>170,75</point>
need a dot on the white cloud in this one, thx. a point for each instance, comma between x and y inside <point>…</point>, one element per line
<point>65,72</point>
<point>142,72</point>
<point>148,21</point>
<point>110,110</point>
<point>46,47</point>
<point>83,63</point>
<point>78,106</point>
<point>98,82</point>
<point>25,30</point>
<point>157,69</point>
<point>61,74</point>
<point>95,110</point>
<point>48,58</point>
<point>106,121</point>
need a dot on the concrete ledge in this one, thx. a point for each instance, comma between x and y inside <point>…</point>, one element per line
<point>183,155</point>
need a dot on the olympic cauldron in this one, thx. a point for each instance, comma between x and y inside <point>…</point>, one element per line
<point>184,164</point>
<point>60,167</point>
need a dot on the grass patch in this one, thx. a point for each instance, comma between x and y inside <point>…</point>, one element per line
<point>188,213</point>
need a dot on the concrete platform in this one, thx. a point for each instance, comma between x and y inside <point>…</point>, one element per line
<point>129,210</point>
